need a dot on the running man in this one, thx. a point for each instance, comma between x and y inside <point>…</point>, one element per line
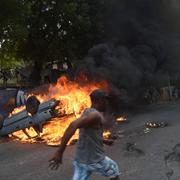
<point>90,156</point>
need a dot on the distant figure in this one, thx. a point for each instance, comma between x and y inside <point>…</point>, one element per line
<point>90,156</point>
<point>175,94</point>
<point>69,69</point>
<point>18,77</point>
<point>20,98</point>
<point>152,95</point>
<point>45,75</point>
<point>4,76</point>
<point>54,73</point>
<point>35,76</point>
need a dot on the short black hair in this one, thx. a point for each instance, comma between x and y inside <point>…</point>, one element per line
<point>99,94</point>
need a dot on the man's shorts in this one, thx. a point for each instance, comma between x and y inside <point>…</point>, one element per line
<point>106,167</point>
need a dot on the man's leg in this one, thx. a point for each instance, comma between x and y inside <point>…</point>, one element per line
<point>80,172</point>
<point>107,168</point>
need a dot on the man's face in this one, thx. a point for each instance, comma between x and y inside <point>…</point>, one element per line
<point>102,104</point>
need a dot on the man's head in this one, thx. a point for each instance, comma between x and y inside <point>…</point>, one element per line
<point>99,99</point>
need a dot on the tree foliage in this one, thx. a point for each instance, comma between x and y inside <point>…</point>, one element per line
<point>48,30</point>
<point>12,31</point>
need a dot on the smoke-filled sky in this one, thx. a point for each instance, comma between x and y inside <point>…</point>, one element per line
<point>142,46</point>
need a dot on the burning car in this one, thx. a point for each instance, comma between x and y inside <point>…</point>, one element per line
<point>29,117</point>
<point>51,113</point>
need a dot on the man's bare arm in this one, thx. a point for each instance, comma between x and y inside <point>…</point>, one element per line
<point>82,122</point>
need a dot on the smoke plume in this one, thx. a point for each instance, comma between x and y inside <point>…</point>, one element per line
<point>140,50</point>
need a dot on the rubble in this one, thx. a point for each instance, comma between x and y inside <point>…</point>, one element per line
<point>156,124</point>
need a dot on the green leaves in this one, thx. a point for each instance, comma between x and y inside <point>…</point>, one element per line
<point>49,30</point>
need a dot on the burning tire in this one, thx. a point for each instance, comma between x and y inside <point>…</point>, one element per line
<point>32,105</point>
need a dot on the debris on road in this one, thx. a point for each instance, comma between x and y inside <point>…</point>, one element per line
<point>156,124</point>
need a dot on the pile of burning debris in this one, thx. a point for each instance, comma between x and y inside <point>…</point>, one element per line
<point>45,117</point>
<point>34,116</point>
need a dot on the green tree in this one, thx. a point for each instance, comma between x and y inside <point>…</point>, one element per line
<point>59,29</point>
<point>47,30</point>
<point>12,31</point>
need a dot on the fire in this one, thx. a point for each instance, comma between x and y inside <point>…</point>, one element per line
<point>17,110</point>
<point>74,98</point>
<point>106,134</point>
<point>121,119</point>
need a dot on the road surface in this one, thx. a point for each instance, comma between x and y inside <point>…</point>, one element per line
<point>141,155</point>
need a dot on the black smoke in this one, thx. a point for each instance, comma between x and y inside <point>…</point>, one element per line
<point>140,49</point>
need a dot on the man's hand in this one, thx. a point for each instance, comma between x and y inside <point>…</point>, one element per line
<point>55,161</point>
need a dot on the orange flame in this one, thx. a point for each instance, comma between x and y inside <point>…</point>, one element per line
<point>74,98</point>
<point>17,110</point>
<point>106,134</point>
<point>121,119</point>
